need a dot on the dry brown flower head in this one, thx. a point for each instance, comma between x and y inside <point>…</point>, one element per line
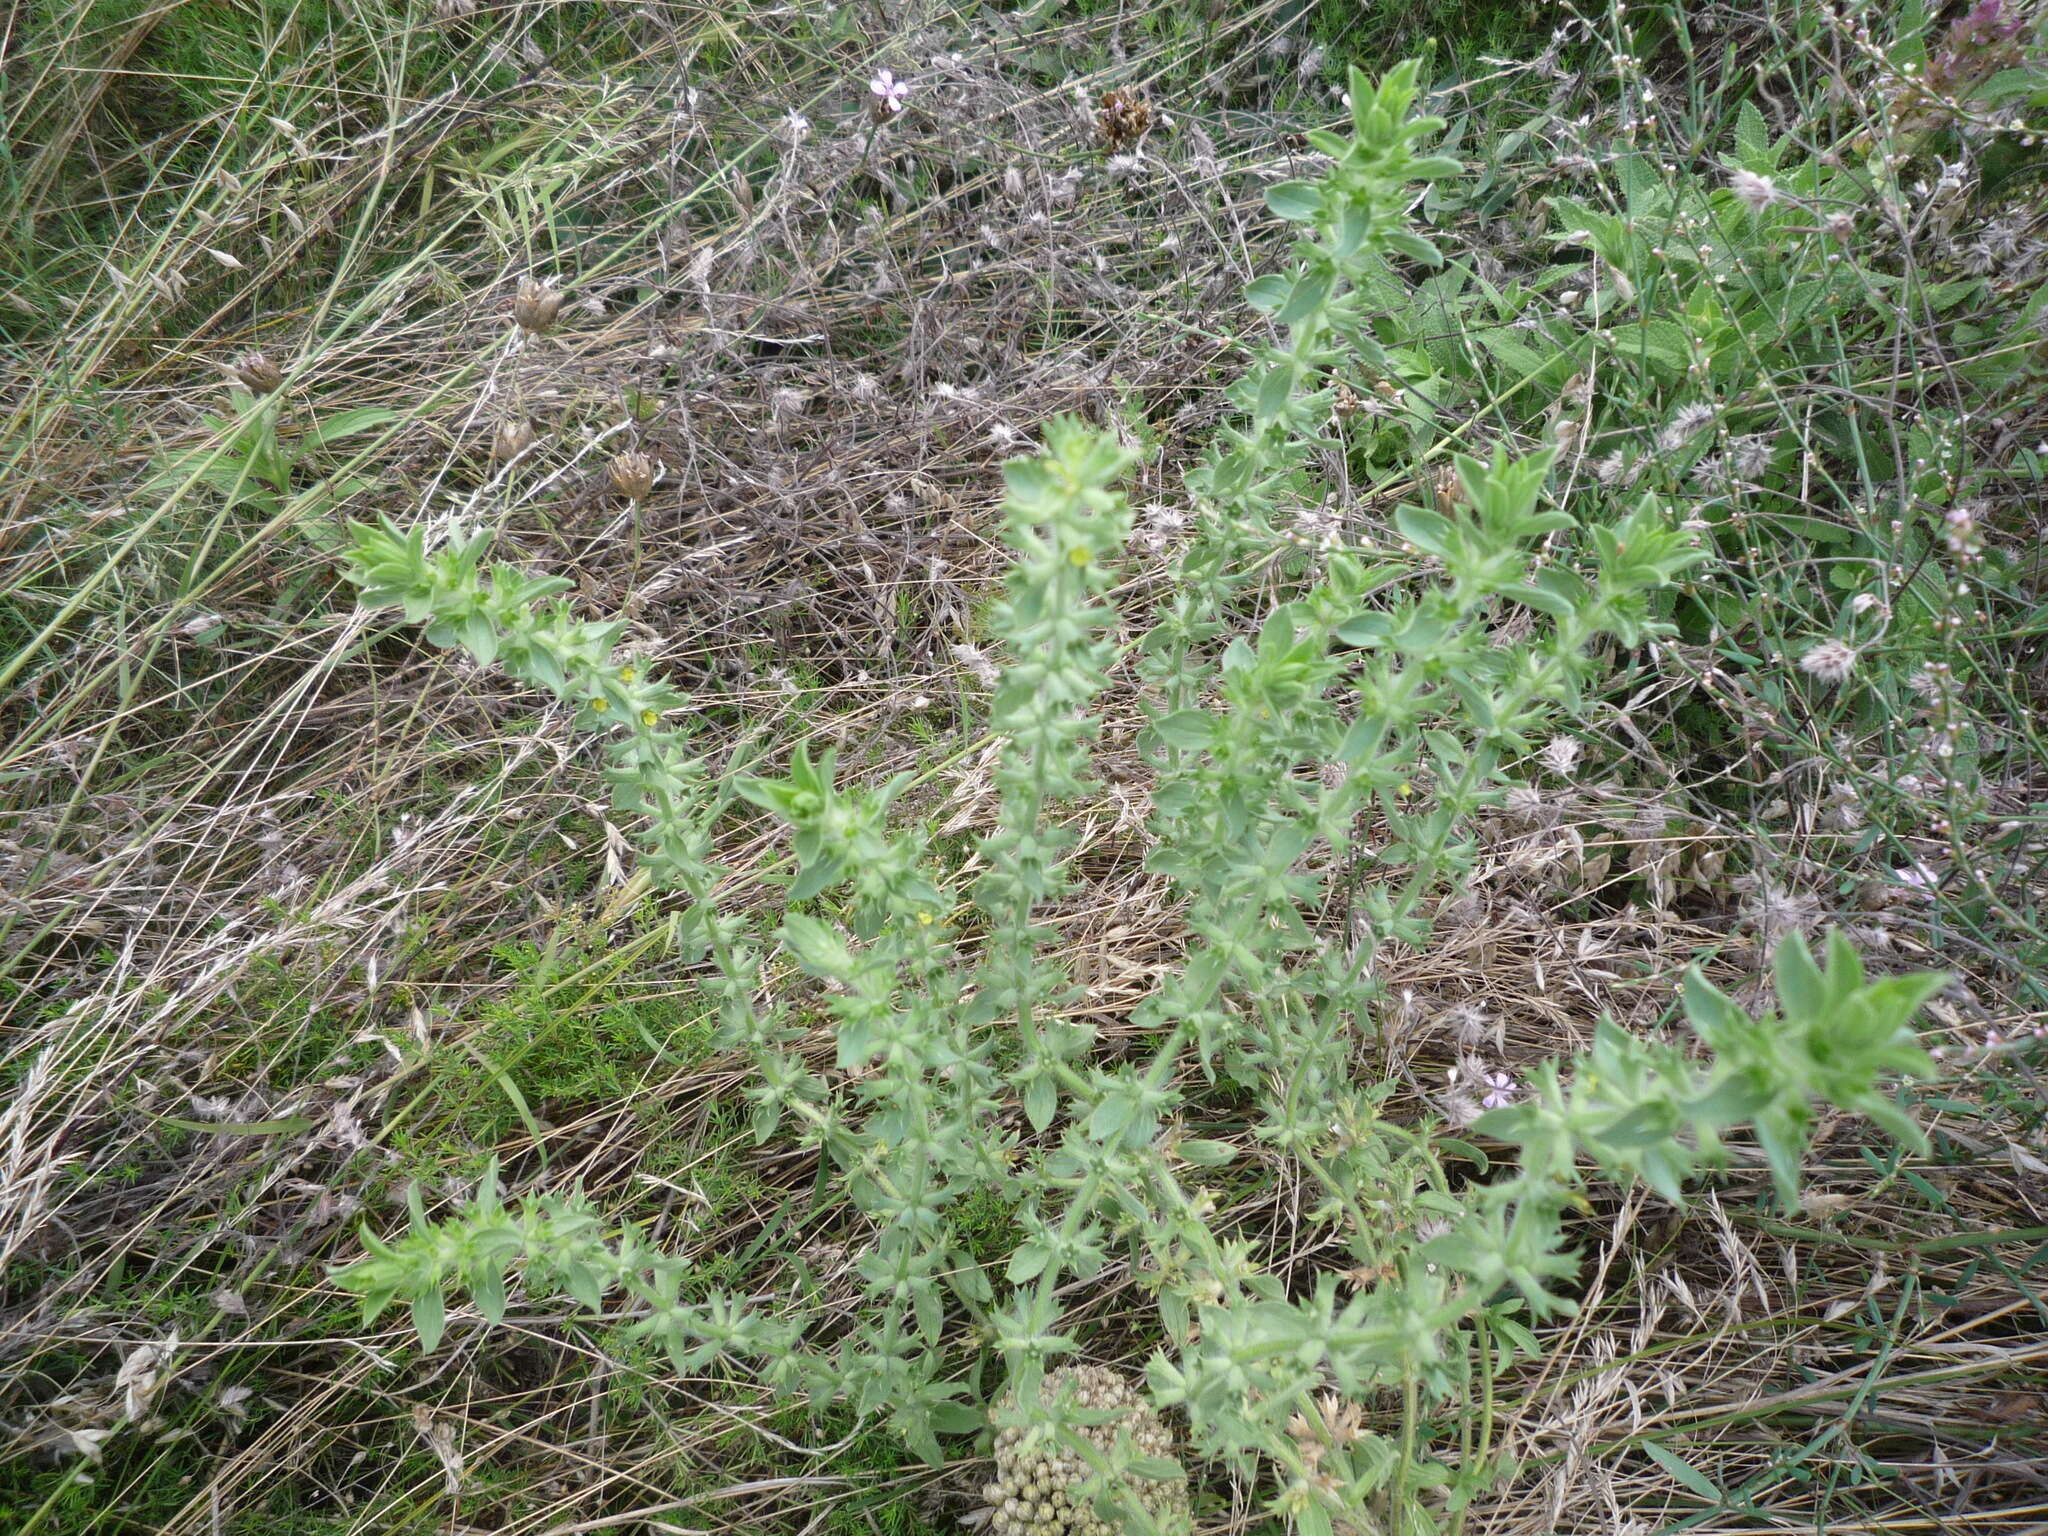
<point>1125,117</point>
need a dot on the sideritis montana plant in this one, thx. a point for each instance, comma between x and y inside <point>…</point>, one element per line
<point>1311,715</point>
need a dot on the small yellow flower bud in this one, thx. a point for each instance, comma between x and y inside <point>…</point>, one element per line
<point>1077,557</point>
<point>627,674</point>
<point>648,717</point>
<point>599,705</point>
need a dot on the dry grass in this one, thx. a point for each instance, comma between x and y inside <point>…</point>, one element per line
<point>266,862</point>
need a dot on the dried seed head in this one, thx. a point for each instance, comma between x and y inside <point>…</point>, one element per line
<point>446,11</point>
<point>536,306</point>
<point>258,373</point>
<point>1449,489</point>
<point>785,405</point>
<point>633,475</point>
<point>514,436</point>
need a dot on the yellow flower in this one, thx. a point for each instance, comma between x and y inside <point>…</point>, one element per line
<point>599,706</point>
<point>648,717</point>
<point>924,919</point>
<point>1077,557</point>
<point>627,674</point>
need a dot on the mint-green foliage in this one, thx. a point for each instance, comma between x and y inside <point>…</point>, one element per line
<point>1343,704</point>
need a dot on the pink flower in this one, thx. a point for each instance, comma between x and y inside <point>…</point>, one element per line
<point>890,93</point>
<point>1919,877</point>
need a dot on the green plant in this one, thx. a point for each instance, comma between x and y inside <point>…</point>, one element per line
<point>1274,750</point>
<point>251,463</point>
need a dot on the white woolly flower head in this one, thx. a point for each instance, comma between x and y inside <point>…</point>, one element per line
<point>1759,192</point>
<point>1831,662</point>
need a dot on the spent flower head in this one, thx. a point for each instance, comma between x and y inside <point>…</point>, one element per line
<point>633,475</point>
<point>258,373</point>
<point>536,306</point>
<point>514,436</point>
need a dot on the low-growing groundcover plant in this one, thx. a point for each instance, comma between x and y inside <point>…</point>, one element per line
<point>1335,755</point>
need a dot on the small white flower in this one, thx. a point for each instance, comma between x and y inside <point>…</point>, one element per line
<point>1500,1091</point>
<point>1831,661</point>
<point>1757,191</point>
<point>890,93</point>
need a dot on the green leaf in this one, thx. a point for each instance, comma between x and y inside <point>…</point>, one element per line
<point>1041,1101</point>
<point>1802,994</point>
<point>1191,730</point>
<point>1643,1126</point>
<point>1267,293</point>
<point>429,1319</point>
<point>821,874</point>
<point>1413,246</point>
<point>1685,1472</point>
<point>818,949</point>
<point>1296,200</point>
<point>487,1290</point>
<point>1308,294</point>
<point>347,424</point>
<point>1027,1262</point>
<point>1427,531</point>
<point>956,1418</point>
<point>290,1125</point>
<point>1753,139</point>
